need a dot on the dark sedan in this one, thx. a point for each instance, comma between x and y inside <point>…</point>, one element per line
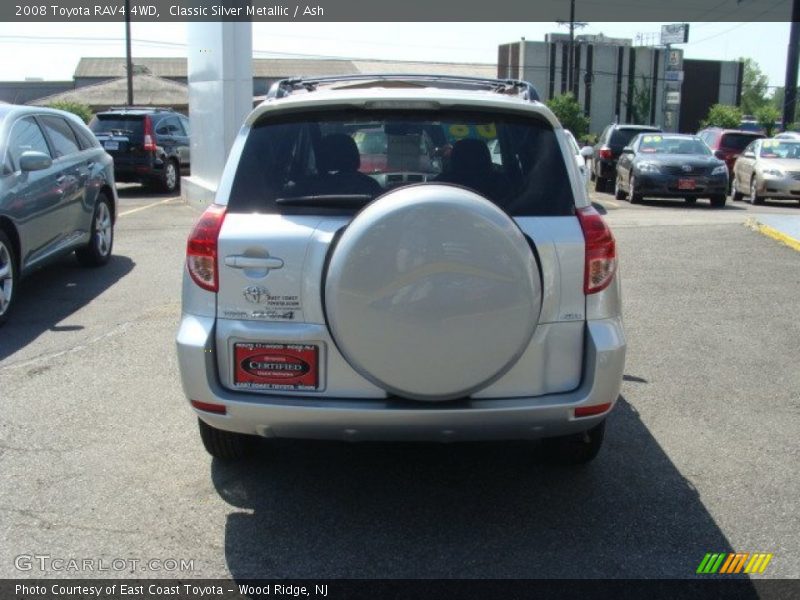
<point>668,165</point>
<point>57,195</point>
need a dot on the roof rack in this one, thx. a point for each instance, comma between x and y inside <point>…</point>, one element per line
<point>165,108</point>
<point>524,89</point>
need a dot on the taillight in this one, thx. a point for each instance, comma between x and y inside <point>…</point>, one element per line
<point>149,143</point>
<point>201,250</point>
<point>601,251</point>
<point>605,153</point>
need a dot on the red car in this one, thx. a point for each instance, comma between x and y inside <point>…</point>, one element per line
<point>728,144</point>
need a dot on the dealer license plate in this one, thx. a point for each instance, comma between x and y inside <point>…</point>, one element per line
<point>111,145</point>
<point>291,367</point>
<point>686,184</point>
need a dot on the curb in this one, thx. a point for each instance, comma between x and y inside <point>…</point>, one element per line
<point>773,233</point>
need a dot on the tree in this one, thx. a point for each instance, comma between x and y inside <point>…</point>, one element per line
<point>76,108</point>
<point>754,87</point>
<point>640,103</point>
<point>723,115</point>
<point>569,112</point>
<point>766,117</point>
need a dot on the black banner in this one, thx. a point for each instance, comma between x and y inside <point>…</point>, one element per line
<point>392,10</point>
<point>412,589</point>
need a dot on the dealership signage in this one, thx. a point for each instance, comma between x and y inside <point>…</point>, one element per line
<point>676,33</point>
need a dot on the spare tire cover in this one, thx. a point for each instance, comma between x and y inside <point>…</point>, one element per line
<point>432,292</point>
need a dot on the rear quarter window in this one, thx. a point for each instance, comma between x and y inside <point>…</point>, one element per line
<point>514,161</point>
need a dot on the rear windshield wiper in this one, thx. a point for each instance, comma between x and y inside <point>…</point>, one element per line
<point>328,200</point>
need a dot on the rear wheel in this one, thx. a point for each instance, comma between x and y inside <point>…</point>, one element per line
<point>8,276</point>
<point>225,445</point>
<point>98,251</point>
<point>618,193</point>
<point>737,195</point>
<point>171,177</point>
<point>575,449</point>
<point>633,196</point>
<point>754,197</point>
<point>599,184</point>
<point>718,201</point>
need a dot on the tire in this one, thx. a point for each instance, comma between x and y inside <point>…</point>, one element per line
<point>633,197</point>
<point>171,177</point>
<point>736,195</point>
<point>718,201</point>
<point>599,184</point>
<point>690,200</point>
<point>618,193</point>
<point>8,276</point>
<point>225,445</point>
<point>754,197</point>
<point>97,251</point>
<point>575,449</point>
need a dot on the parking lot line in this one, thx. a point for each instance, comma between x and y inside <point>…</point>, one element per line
<point>146,206</point>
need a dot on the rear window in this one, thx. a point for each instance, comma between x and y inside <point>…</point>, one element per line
<point>342,160</point>
<point>131,125</point>
<point>621,137</point>
<point>737,141</point>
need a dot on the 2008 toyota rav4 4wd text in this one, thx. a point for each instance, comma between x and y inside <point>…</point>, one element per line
<point>436,292</point>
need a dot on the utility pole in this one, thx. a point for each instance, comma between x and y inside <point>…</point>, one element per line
<point>128,59</point>
<point>571,79</point>
<point>792,59</point>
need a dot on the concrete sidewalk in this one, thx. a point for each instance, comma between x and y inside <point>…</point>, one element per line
<point>784,228</point>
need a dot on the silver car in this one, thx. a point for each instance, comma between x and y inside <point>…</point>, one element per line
<point>768,168</point>
<point>57,195</point>
<point>475,300</point>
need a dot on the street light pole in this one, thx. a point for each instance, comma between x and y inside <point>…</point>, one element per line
<point>792,59</point>
<point>128,59</point>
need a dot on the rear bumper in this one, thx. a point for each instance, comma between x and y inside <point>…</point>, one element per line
<point>386,419</point>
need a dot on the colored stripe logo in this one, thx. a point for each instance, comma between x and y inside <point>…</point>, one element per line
<point>733,562</point>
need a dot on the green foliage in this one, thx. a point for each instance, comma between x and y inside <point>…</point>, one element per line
<point>723,115</point>
<point>766,117</point>
<point>569,112</point>
<point>640,103</point>
<point>76,108</point>
<point>754,87</point>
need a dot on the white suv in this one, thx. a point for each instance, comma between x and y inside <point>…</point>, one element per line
<point>424,291</point>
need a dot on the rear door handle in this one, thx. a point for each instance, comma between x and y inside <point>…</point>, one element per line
<point>239,261</point>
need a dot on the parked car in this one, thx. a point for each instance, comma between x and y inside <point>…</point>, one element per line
<point>481,303</point>
<point>788,135</point>
<point>728,144</point>
<point>670,165</point>
<point>149,145</point>
<point>608,149</point>
<point>580,154</point>
<point>768,169</point>
<point>57,195</point>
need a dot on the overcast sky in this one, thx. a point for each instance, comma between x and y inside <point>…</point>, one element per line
<point>51,50</point>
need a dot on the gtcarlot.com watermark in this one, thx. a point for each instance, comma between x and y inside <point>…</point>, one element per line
<point>63,564</point>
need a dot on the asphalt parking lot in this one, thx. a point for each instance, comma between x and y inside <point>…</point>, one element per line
<point>100,458</point>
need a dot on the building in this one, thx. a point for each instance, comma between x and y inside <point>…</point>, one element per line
<point>616,81</point>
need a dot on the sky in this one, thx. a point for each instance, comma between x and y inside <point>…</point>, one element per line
<point>51,51</point>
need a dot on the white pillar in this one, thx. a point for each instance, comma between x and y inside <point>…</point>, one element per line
<point>220,73</point>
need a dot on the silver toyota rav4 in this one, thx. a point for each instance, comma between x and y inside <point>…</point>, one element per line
<point>370,270</point>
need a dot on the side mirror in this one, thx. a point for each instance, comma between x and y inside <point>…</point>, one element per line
<point>587,152</point>
<point>627,150</point>
<point>749,155</point>
<point>31,160</point>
